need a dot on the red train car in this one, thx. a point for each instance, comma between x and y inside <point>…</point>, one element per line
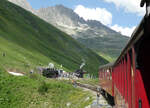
<point>127,80</point>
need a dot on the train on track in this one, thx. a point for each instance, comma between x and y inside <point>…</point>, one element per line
<point>126,82</point>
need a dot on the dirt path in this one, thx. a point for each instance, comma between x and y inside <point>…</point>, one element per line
<point>97,102</point>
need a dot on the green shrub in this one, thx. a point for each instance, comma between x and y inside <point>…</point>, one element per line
<point>43,88</point>
<point>34,76</point>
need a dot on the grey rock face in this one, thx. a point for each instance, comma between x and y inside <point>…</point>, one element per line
<point>60,14</point>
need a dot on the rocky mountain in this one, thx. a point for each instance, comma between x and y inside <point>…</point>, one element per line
<point>24,4</point>
<point>93,34</point>
<point>68,21</point>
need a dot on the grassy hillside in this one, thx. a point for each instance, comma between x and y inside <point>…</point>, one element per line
<point>108,47</point>
<point>107,56</point>
<point>38,92</point>
<point>27,42</point>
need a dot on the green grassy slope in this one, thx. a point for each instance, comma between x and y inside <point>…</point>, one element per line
<point>108,47</point>
<point>28,42</point>
<point>38,92</point>
<point>107,56</point>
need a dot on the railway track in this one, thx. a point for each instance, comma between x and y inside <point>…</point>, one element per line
<point>98,102</point>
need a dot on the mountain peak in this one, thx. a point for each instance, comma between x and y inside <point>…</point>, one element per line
<point>60,15</point>
<point>60,6</point>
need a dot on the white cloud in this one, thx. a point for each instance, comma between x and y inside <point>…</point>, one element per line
<point>124,30</point>
<point>99,14</point>
<point>130,6</point>
<point>105,17</point>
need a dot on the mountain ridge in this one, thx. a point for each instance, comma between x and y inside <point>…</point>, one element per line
<point>91,33</point>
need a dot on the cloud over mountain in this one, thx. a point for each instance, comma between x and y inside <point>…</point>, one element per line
<point>123,30</point>
<point>99,14</point>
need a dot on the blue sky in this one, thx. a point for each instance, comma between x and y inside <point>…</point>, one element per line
<point>125,13</point>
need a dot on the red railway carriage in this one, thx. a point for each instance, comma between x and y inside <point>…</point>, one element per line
<point>105,77</point>
<point>128,79</point>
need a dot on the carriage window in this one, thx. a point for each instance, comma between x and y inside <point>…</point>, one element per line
<point>108,72</point>
<point>131,58</point>
<point>140,103</point>
<point>110,76</point>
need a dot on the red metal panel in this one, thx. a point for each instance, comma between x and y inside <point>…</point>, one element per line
<point>129,81</point>
<point>133,78</point>
<point>116,77</point>
<point>140,91</point>
<point>113,82</point>
<point>121,77</point>
<point>118,84</point>
<point>123,84</point>
<point>126,81</point>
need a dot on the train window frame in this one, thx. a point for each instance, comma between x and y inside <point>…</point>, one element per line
<point>131,58</point>
<point>110,78</point>
<point>107,73</point>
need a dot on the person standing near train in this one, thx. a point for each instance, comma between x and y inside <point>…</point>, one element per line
<point>97,99</point>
